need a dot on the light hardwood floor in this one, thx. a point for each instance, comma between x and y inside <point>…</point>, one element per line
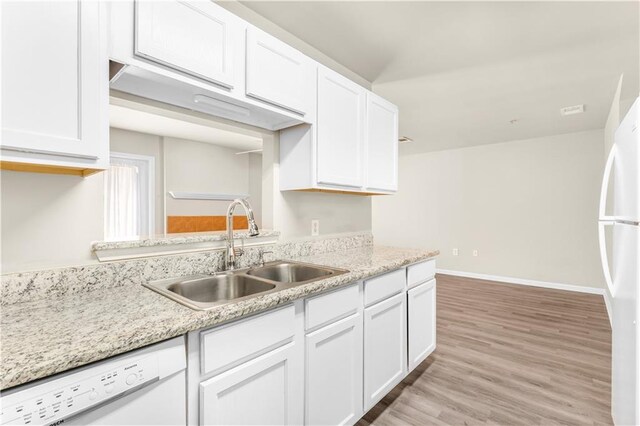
<point>508,355</point>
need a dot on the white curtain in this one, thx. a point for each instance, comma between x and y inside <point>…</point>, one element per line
<point>122,203</point>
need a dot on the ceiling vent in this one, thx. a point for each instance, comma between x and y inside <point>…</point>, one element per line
<point>571,110</point>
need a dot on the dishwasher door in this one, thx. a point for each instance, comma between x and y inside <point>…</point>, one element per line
<point>162,403</point>
<point>143,387</point>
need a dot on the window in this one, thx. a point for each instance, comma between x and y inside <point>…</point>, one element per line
<point>129,191</point>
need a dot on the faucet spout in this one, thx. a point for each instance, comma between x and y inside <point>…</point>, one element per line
<point>232,253</point>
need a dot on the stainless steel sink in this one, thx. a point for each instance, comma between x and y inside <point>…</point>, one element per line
<point>208,291</point>
<point>289,272</point>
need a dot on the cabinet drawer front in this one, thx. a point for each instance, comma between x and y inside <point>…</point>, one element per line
<point>421,307</point>
<point>262,391</point>
<point>195,37</point>
<point>334,351</point>
<point>379,288</point>
<point>323,309</point>
<point>233,344</point>
<point>278,73</point>
<point>421,272</point>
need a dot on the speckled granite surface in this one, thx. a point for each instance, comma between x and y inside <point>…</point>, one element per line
<point>173,239</point>
<point>60,282</point>
<point>48,336</point>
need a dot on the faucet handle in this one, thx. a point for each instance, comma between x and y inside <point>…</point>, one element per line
<point>262,253</point>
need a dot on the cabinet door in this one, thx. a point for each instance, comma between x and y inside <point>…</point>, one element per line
<point>385,347</point>
<point>263,391</point>
<point>381,142</point>
<point>277,73</point>
<point>54,79</point>
<point>193,36</point>
<point>422,322</point>
<point>334,373</point>
<point>340,128</point>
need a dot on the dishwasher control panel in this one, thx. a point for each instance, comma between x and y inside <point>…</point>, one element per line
<point>77,392</point>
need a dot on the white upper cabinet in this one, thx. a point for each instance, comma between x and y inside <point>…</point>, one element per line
<point>194,37</point>
<point>352,147</point>
<point>54,85</point>
<point>277,73</point>
<point>340,130</point>
<point>381,144</point>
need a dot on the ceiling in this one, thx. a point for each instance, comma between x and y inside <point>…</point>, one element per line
<point>462,71</point>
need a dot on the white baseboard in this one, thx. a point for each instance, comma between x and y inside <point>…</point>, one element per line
<point>533,283</point>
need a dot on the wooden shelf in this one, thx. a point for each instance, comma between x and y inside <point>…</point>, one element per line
<point>47,168</point>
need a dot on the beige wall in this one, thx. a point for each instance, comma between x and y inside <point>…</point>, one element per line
<point>529,207</point>
<point>206,168</point>
<point>49,220</point>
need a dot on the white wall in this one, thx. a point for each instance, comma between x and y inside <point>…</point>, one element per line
<point>49,220</point>
<point>529,207</point>
<point>203,167</point>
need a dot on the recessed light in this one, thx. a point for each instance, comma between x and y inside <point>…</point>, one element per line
<point>574,109</point>
<point>405,139</point>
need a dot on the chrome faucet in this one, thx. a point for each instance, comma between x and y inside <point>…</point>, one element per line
<point>232,252</point>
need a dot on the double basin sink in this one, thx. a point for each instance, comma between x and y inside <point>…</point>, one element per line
<point>208,291</point>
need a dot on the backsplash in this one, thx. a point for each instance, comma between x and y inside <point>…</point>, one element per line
<point>54,283</point>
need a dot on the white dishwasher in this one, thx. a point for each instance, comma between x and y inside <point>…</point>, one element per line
<point>143,387</point>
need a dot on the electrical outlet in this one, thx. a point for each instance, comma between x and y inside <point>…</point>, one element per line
<point>315,227</point>
<point>455,252</point>
<point>475,253</point>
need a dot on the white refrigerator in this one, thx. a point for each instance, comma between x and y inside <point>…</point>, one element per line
<point>621,270</point>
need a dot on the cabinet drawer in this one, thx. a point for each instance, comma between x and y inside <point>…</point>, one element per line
<point>323,309</point>
<point>230,345</point>
<point>421,272</point>
<point>379,288</point>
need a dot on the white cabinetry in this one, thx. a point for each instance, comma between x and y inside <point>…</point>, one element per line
<point>421,308</point>
<point>259,392</point>
<point>352,147</point>
<point>340,130</point>
<point>381,144</point>
<point>385,347</point>
<point>54,86</point>
<point>249,371</point>
<point>324,360</point>
<point>192,36</point>
<point>279,74</point>
<point>334,373</point>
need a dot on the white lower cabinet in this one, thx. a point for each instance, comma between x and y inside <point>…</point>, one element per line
<point>325,360</point>
<point>259,392</point>
<point>385,347</point>
<point>334,373</point>
<point>421,313</point>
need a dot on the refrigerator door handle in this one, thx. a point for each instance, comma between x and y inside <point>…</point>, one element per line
<point>604,189</point>
<point>604,258</point>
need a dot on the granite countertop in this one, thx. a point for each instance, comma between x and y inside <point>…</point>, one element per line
<point>45,337</point>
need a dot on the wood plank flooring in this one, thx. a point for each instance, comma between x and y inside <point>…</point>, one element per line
<point>508,355</point>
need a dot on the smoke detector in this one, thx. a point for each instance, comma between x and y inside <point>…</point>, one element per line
<point>571,110</point>
<point>405,139</point>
